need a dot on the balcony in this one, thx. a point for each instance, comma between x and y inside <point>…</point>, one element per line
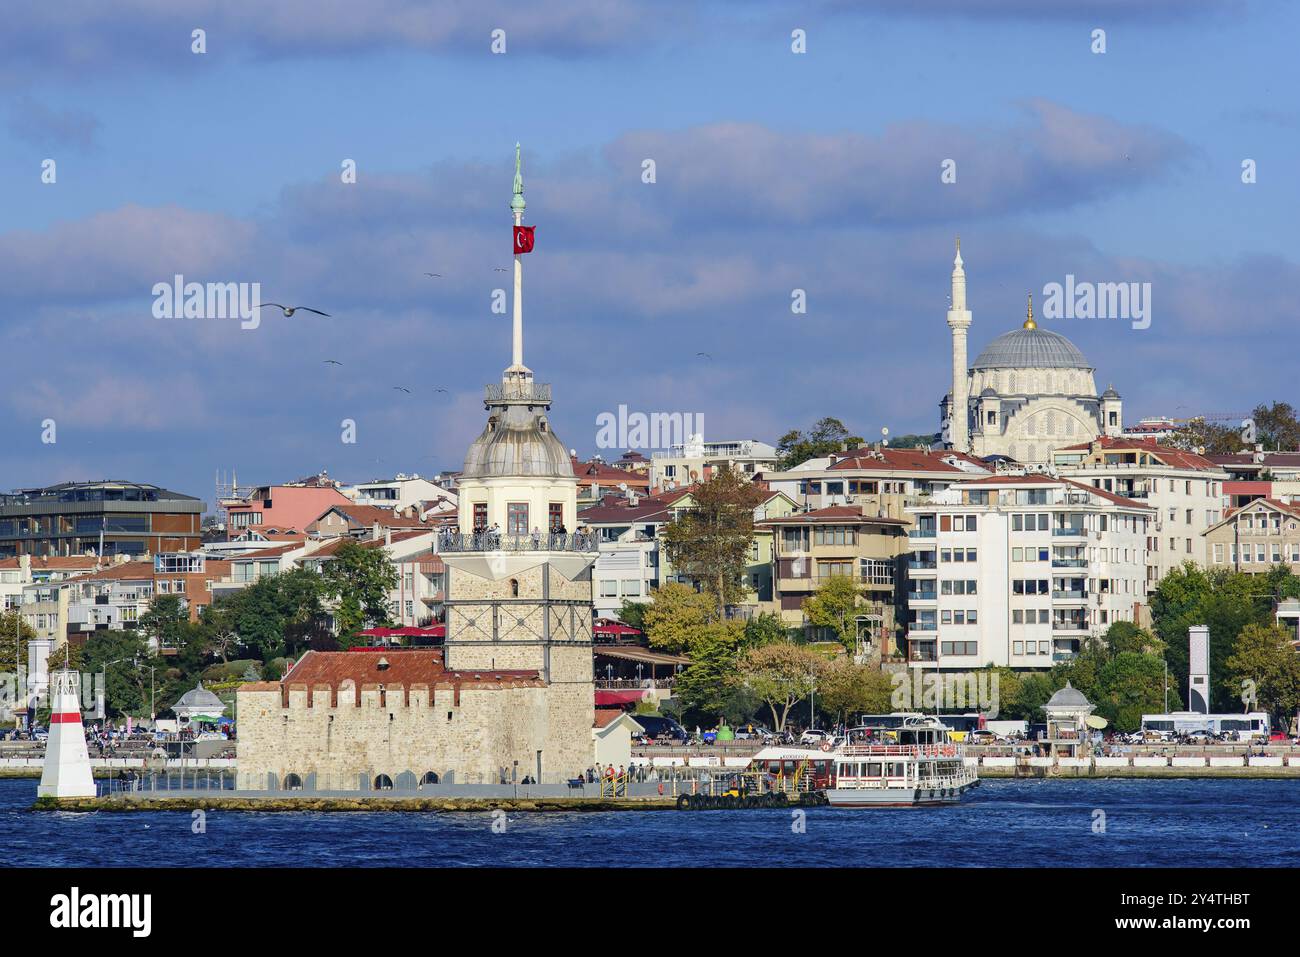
<point>1069,563</point>
<point>497,542</point>
<point>921,533</point>
<point>1069,595</point>
<point>923,596</point>
<point>1058,656</point>
<point>1070,532</point>
<point>1069,625</point>
<point>922,566</point>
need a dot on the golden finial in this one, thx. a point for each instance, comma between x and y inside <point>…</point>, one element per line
<point>1029,319</point>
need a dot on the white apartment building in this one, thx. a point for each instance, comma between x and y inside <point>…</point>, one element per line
<point>401,492</point>
<point>692,461</point>
<point>1185,489</point>
<point>1020,570</point>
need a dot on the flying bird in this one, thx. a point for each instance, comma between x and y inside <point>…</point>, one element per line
<point>705,354</point>
<point>500,269</point>
<point>439,390</point>
<point>290,310</point>
<point>400,389</point>
<point>433,275</point>
<point>333,362</point>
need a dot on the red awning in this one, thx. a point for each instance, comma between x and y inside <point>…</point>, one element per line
<point>614,629</point>
<point>615,698</point>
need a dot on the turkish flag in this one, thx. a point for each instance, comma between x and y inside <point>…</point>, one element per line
<point>523,239</point>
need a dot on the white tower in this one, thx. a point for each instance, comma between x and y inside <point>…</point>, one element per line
<point>1198,669</point>
<point>959,319</point>
<point>66,773</point>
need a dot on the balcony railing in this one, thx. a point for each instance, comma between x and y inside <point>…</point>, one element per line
<point>1070,595</point>
<point>922,566</point>
<point>497,542</point>
<point>1070,532</point>
<point>535,393</point>
<point>923,596</point>
<point>1064,655</point>
<point>921,533</point>
<point>1069,626</point>
<point>1069,563</point>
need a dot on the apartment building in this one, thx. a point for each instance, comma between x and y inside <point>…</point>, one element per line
<point>694,460</point>
<point>881,479</point>
<point>402,492</point>
<point>1254,538</point>
<point>1020,571</point>
<point>20,571</point>
<point>842,540</point>
<point>1185,489</point>
<point>107,518</point>
<point>365,521</point>
<point>279,508</point>
<point>597,480</point>
<point>1260,474</point>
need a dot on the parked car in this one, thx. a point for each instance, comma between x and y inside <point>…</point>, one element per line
<point>747,731</point>
<point>815,738</point>
<point>657,726</point>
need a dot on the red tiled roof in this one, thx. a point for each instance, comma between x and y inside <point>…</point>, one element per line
<point>54,562</point>
<point>606,716</point>
<point>334,544</point>
<point>407,667</point>
<point>599,473</point>
<point>899,460</point>
<point>1176,458</point>
<point>369,515</point>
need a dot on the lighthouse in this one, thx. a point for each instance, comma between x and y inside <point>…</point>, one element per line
<point>66,773</point>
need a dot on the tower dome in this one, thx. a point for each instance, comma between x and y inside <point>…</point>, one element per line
<point>517,440</point>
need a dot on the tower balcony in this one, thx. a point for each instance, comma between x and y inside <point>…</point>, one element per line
<point>518,391</point>
<point>499,542</point>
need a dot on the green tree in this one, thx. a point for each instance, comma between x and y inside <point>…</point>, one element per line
<point>1124,636</point>
<point>833,605</point>
<point>1264,662</point>
<point>163,621</point>
<point>711,541</point>
<point>708,687</point>
<point>632,613</point>
<point>358,579</point>
<point>678,617</point>
<point>845,688</point>
<point>220,632</point>
<point>912,441</point>
<point>124,658</point>
<point>780,675</point>
<point>15,634</point>
<point>763,629</point>
<point>1130,685</point>
<point>827,436</point>
<point>1276,426</point>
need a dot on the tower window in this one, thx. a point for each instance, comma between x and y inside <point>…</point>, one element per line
<point>514,588</point>
<point>517,518</point>
<point>555,515</point>
<point>480,516</point>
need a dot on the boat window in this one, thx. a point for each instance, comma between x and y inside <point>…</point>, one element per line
<point>873,770</point>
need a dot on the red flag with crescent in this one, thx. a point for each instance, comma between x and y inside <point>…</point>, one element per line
<point>523,239</point>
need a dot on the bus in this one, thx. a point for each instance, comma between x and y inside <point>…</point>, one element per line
<point>1242,727</point>
<point>959,724</point>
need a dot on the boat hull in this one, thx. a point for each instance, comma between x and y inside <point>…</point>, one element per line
<point>895,797</point>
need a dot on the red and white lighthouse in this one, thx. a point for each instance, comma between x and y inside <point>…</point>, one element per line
<point>66,773</point>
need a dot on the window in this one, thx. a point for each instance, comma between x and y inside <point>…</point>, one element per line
<point>517,518</point>
<point>632,587</point>
<point>609,589</point>
<point>480,516</point>
<point>555,516</point>
<point>1017,647</point>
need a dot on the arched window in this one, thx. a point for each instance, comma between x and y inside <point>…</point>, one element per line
<point>430,777</point>
<point>292,782</point>
<point>514,588</point>
<point>383,782</point>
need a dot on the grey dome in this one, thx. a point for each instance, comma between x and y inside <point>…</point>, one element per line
<point>517,440</point>
<point>1068,697</point>
<point>1031,349</point>
<point>199,698</point>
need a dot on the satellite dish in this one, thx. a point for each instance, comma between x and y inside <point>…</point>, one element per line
<point>884,431</point>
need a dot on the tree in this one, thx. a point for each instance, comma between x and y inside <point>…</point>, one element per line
<point>1214,439</point>
<point>711,542</point>
<point>15,634</point>
<point>845,688</point>
<point>632,613</point>
<point>833,605</point>
<point>677,618</point>
<point>763,629</point>
<point>779,675</point>
<point>1130,685</point>
<point>827,436</point>
<point>1124,636</point>
<point>1276,426</point>
<point>124,659</point>
<point>163,619</point>
<point>911,441</point>
<point>708,687</point>
<point>1265,668</point>
<point>358,579</point>
<point>218,624</point>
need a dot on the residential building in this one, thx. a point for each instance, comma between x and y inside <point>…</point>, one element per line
<point>402,492</point>
<point>1185,489</point>
<point>694,460</point>
<point>279,508</point>
<point>1260,474</point>
<point>364,521</point>
<point>878,478</point>
<point>597,480</point>
<point>1256,537</point>
<point>1020,571</point>
<point>107,518</point>
<point>849,540</point>
<point>23,570</point>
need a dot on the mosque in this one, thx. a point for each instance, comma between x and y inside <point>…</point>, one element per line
<point>1029,392</point>
<point>509,698</point>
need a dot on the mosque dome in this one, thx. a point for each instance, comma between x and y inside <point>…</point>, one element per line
<point>1031,348</point>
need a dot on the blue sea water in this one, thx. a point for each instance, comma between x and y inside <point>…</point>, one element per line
<point>1226,823</point>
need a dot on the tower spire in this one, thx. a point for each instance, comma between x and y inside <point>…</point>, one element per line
<point>959,320</point>
<point>1030,322</point>
<point>517,205</point>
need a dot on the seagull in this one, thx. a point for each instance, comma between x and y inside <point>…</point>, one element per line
<point>500,269</point>
<point>705,354</point>
<point>439,390</point>
<point>333,362</point>
<point>433,275</point>
<point>290,310</point>
<point>400,389</point>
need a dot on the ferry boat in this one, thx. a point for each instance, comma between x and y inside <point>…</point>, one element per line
<point>915,764</point>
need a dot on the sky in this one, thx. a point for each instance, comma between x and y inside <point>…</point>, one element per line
<point>774,171</point>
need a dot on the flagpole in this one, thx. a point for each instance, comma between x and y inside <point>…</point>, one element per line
<point>517,205</point>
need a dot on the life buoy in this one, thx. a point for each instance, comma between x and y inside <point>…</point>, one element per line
<point>826,745</point>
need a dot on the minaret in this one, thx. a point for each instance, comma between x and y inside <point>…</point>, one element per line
<point>959,320</point>
<point>66,772</point>
<point>517,368</point>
